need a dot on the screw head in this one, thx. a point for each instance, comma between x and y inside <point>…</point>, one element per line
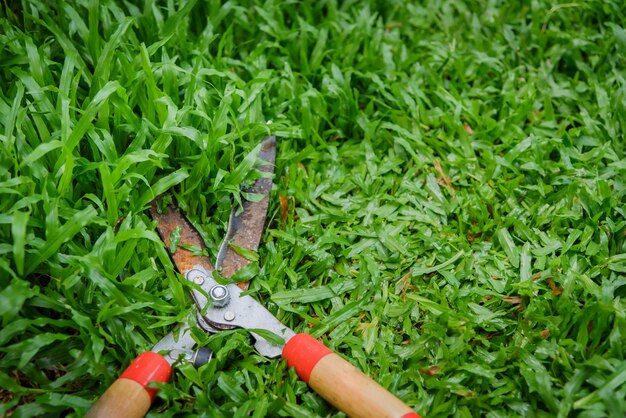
<point>198,280</point>
<point>220,296</point>
<point>229,316</point>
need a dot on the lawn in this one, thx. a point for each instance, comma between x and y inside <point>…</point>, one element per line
<point>448,211</point>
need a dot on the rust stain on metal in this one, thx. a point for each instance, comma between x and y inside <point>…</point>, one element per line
<point>246,228</point>
<point>184,259</point>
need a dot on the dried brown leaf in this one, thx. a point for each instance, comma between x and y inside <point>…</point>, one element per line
<point>431,371</point>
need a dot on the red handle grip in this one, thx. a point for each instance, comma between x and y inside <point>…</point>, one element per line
<point>340,383</point>
<point>130,396</point>
<point>146,368</point>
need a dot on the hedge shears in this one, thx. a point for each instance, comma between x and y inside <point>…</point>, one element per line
<point>222,306</point>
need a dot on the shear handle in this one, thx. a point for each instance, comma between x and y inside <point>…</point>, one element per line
<point>130,396</point>
<point>340,383</point>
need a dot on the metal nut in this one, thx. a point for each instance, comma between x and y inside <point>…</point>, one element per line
<point>219,295</point>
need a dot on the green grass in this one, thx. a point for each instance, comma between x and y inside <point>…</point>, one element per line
<point>453,187</point>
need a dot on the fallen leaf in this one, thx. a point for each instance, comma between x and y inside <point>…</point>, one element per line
<point>445,178</point>
<point>472,238</point>
<point>284,207</point>
<point>431,371</point>
<point>556,291</point>
<point>516,300</point>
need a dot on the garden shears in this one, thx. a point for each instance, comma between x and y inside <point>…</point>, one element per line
<point>224,307</point>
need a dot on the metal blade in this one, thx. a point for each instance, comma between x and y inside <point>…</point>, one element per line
<point>245,227</point>
<point>168,221</point>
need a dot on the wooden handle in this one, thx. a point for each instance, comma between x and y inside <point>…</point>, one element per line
<point>129,396</point>
<point>340,383</point>
<point>124,398</point>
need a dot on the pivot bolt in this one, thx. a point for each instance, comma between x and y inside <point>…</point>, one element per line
<point>219,295</point>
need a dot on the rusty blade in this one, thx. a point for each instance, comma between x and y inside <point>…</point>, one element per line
<point>168,221</point>
<point>245,227</point>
